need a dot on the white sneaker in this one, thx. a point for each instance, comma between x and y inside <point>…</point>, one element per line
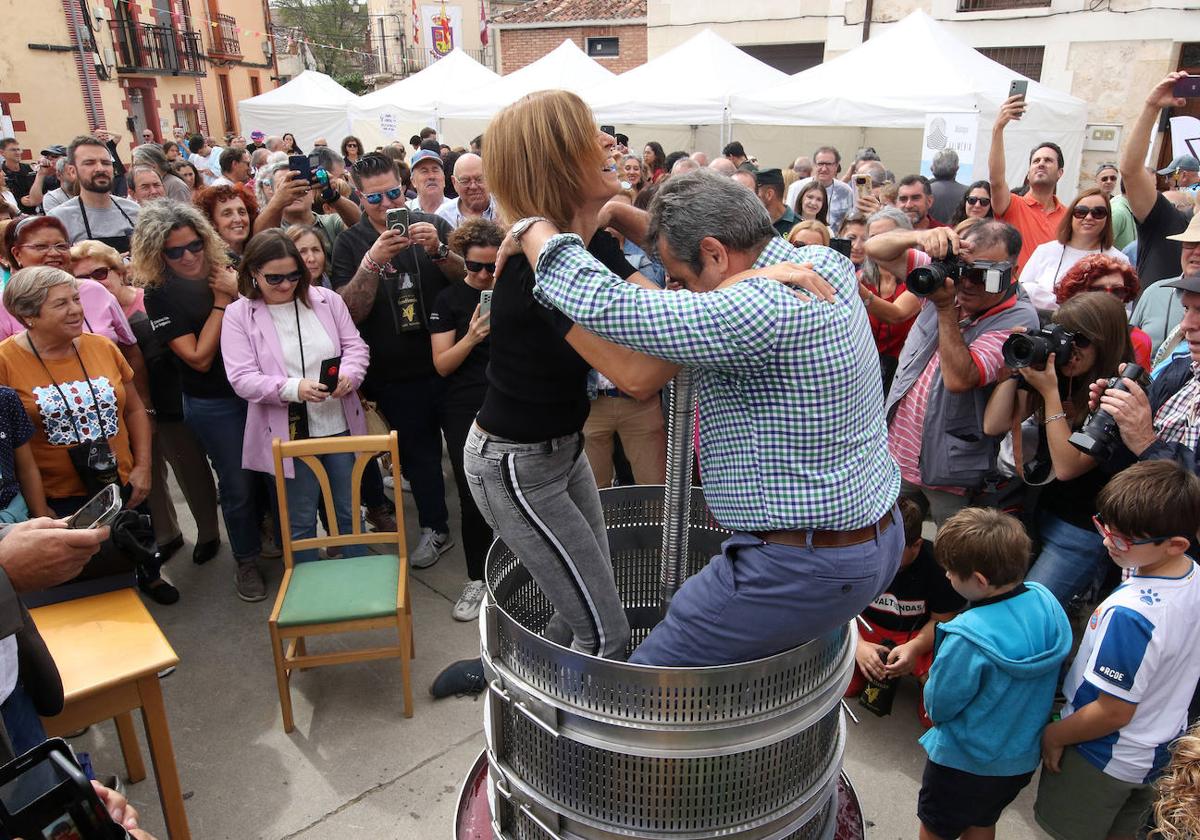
<point>433,545</point>
<point>389,482</point>
<point>405,487</point>
<point>467,608</point>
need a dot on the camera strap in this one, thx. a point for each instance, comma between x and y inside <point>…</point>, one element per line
<point>298,411</point>
<point>66,403</point>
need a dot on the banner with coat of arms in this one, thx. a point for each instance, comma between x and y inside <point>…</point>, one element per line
<point>442,28</point>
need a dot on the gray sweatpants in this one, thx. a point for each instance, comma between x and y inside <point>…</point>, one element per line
<point>541,499</point>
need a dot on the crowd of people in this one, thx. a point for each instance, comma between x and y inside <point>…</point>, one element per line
<point>872,350</point>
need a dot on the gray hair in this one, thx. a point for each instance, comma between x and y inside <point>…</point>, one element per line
<point>894,214</point>
<point>27,290</point>
<point>326,157</point>
<point>989,233</point>
<point>152,155</point>
<point>137,168</point>
<point>266,177</point>
<point>944,164</point>
<point>688,208</point>
<point>60,166</point>
<point>684,165</point>
<point>875,169</point>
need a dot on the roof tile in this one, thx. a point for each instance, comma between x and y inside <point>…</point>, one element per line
<point>550,11</point>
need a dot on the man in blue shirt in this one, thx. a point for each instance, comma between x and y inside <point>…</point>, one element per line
<point>792,434</point>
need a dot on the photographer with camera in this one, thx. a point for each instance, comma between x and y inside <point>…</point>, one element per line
<point>291,201</point>
<point>951,357</point>
<point>1045,403</point>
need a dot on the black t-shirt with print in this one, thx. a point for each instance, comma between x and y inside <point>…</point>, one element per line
<point>181,307</point>
<point>916,592</point>
<point>452,311</point>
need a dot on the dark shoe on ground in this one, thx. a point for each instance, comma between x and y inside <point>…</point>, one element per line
<point>167,550</point>
<point>159,590</point>
<point>381,518</point>
<point>205,551</point>
<point>249,582</point>
<point>463,678</point>
<point>269,549</point>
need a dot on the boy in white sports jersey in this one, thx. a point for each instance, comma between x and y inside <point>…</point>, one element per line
<point>1130,684</point>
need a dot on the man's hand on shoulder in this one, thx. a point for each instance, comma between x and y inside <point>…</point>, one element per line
<point>44,552</point>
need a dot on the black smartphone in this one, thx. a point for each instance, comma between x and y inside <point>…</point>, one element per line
<point>1187,87</point>
<point>1019,87</point>
<point>44,795</point>
<point>610,130</point>
<point>842,246</point>
<point>299,163</point>
<point>330,370</point>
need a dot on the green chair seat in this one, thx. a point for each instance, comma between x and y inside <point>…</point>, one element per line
<point>352,588</point>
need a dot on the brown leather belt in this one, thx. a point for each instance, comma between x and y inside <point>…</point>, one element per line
<point>827,539</point>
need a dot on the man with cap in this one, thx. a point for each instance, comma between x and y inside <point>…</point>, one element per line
<point>768,186</point>
<point>44,180</point>
<point>256,141</point>
<point>429,180</point>
<point>1186,170</point>
<point>1156,216</point>
<point>66,189</point>
<point>1160,309</point>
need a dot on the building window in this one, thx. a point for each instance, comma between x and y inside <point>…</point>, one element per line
<point>226,101</point>
<point>1024,60</point>
<point>255,86</point>
<point>603,47</point>
<point>787,58</point>
<point>999,5</point>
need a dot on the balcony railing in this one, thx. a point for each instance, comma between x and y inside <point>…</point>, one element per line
<point>145,48</point>
<point>408,60</point>
<point>225,37</point>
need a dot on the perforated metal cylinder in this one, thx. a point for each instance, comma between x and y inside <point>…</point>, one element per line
<point>582,747</point>
<point>677,496</point>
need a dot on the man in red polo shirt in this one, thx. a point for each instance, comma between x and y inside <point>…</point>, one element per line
<point>1037,213</point>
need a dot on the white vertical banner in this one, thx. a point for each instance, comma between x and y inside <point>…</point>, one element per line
<point>441,28</point>
<point>1185,137</point>
<point>957,131</point>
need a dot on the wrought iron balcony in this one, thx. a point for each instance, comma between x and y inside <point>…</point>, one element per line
<point>146,48</point>
<point>225,37</point>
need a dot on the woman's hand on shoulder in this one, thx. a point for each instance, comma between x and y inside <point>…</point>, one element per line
<point>223,282</point>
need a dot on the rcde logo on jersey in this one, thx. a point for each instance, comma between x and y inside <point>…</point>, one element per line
<point>1112,674</point>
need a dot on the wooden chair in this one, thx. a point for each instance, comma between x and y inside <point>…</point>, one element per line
<point>344,595</point>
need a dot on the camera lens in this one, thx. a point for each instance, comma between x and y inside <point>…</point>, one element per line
<point>1021,351</point>
<point>926,280</point>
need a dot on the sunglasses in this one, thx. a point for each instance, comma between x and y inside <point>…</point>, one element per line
<point>1081,341</point>
<point>276,279</point>
<point>1095,212</point>
<point>375,198</point>
<point>97,274</point>
<point>193,247</point>
<point>1121,543</point>
<point>480,266</point>
<point>974,199</point>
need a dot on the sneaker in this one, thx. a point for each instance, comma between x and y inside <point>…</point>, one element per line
<point>467,608</point>
<point>249,582</point>
<point>381,519</point>
<point>389,482</point>
<point>269,549</point>
<point>464,677</point>
<point>433,545</point>
<point>405,487</point>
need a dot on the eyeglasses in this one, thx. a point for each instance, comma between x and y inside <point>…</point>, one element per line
<point>375,198</point>
<point>57,247</point>
<point>276,279</point>
<point>1122,543</point>
<point>480,266</point>
<point>821,164</point>
<point>193,247</point>
<point>1096,212</point>
<point>470,182</point>
<point>975,199</point>
<point>97,274</point>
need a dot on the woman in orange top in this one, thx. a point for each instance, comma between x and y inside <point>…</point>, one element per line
<point>90,427</point>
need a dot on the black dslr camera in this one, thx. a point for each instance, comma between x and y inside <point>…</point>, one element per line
<point>1023,350</point>
<point>927,279</point>
<point>1100,433</point>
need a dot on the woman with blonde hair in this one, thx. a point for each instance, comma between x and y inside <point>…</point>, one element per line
<point>182,264</point>
<point>1177,809</point>
<point>809,232</point>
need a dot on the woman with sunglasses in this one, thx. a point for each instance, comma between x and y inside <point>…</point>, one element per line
<point>977,203</point>
<point>352,149</point>
<point>1055,405</point>
<point>275,339</point>
<point>1099,273</point>
<point>173,441</point>
<point>182,264</point>
<point>1086,228</point>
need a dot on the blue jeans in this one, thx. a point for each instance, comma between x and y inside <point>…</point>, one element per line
<point>21,719</point>
<point>413,409</point>
<point>304,496</point>
<point>756,599</point>
<point>1072,558</point>
<point>219,424</point>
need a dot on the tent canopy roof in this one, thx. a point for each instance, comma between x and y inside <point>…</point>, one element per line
<point>310,89</point>
<point>422,93</point>
<point>687,85</point>
<point>565,67</point>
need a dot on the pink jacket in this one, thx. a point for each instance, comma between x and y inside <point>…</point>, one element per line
<point>255,367</point>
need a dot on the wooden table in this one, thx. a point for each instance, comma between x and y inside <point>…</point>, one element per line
<point>109,651</point>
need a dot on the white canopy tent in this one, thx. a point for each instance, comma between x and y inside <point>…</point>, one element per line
<point>868,87</point>
<point>311,105</point>
<point>402,108</point>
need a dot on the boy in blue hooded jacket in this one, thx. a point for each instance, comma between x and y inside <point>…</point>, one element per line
<point>991,687</point>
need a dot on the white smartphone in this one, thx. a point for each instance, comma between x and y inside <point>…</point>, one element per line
<point>485,302</point>
<point>100,510</point>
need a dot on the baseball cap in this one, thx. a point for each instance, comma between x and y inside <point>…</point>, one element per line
<point>1185,162</point>
<point>257,136</point>
<point>769,178</point>
<point>424,155</point>
<point>56,150</point>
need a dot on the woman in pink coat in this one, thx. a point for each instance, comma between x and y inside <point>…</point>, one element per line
<point>277,339</point>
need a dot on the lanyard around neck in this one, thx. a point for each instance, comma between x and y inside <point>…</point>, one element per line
<point>66,404</point>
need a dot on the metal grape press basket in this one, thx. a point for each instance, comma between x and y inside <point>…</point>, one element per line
<point>583,748</point>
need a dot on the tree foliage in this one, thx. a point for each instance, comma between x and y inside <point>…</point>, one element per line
<point>329,24</point>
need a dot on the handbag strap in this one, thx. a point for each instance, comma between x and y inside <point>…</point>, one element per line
<point>66,404</point>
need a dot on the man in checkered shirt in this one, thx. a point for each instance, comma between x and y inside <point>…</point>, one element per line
<point>792,440</point>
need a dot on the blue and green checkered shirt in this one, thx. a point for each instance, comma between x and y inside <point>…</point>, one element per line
<point>792,432</point>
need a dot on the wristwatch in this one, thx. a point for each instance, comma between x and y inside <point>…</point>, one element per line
<point>522,225</point>
<point>442,252</point>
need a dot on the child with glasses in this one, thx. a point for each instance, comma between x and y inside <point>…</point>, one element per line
<point>1130,684</point>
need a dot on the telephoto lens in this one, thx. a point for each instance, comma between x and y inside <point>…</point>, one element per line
<point>1100,434</point>
<point>1023,350</point>
<point>927,279</point>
